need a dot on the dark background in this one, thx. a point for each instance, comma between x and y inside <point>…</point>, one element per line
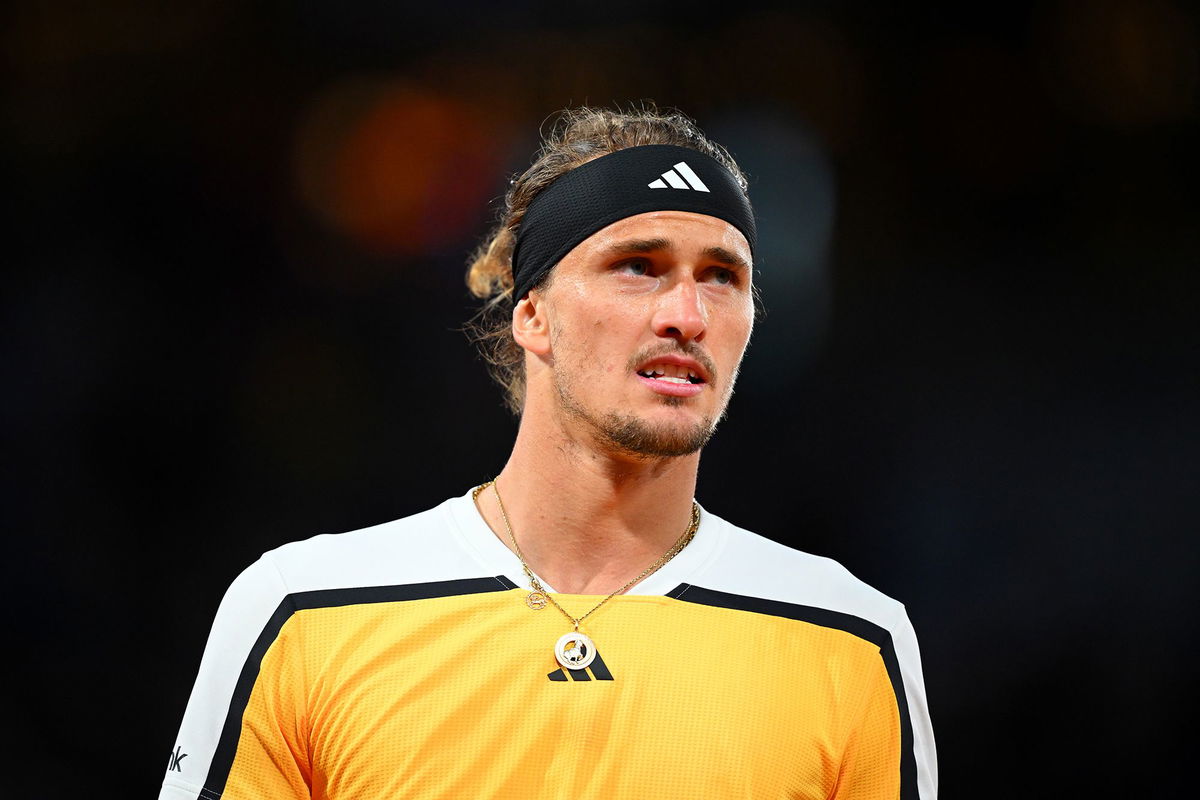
<point>235,256</point>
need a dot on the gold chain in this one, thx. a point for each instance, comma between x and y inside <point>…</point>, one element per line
<point>680,543</point>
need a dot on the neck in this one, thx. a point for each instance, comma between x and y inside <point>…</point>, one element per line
<point>588,520</point>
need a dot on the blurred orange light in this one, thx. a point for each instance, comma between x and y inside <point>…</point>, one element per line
<point>399,171</point>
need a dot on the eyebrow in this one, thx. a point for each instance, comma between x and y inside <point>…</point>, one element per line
<point>719,254</point>
<point>639,246</point>
<point>726,257</point>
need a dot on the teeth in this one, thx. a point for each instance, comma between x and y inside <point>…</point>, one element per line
<point>671,372</point>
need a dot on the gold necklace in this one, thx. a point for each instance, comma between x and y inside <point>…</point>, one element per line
<point>576,650</point>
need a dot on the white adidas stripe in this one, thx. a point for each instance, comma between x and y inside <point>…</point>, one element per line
<point>673,178</point>
<point>689,179</point>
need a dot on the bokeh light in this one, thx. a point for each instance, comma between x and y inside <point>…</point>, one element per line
<point>399,171</point>
<point>1128,63</point>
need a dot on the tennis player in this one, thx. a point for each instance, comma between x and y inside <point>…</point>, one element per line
<point>577,626</point>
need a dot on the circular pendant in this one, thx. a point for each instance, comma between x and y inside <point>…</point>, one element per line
<point>535,600</point>
<point>574,650</point>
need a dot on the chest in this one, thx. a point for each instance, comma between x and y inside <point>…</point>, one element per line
<point>463,698</point>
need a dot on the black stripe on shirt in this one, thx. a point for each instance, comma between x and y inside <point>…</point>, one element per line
<point>849,623</point>
<point>231,731</point>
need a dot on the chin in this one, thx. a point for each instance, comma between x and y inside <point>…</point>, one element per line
<point>649,439</point>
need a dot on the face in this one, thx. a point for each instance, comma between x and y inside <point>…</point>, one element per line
<point>645,325</point>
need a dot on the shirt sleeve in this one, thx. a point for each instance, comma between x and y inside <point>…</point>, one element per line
<point>924,753</point>
<point>889,753</point>
<point>244,731</point>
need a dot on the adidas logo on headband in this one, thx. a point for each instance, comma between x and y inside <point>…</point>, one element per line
<point>672,177</point>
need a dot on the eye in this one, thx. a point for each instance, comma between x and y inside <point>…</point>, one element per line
<point>722,276</point>
<point>635,266</point>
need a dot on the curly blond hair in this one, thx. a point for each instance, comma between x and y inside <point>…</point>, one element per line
<point>576,136</point>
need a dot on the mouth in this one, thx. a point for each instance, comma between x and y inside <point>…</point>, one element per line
<point>673,375</point>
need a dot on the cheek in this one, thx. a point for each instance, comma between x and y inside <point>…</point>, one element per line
<point>577,344</point>
<point>740,336</point>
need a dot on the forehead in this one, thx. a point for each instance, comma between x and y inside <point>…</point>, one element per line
<point>682,231</point>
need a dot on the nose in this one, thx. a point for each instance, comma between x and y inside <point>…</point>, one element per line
<point>681,314</point>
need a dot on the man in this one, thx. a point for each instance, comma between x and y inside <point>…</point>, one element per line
<point>579,627</point>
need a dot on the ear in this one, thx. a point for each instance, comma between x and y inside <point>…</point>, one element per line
<point>530,326</point>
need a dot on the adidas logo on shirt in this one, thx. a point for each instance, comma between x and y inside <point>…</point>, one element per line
<point>673,177</point>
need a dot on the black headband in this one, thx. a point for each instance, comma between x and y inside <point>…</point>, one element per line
<point>657,177</point>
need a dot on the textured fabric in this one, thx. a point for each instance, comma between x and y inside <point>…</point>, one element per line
<point>402,661</point>
<point>618,185</point>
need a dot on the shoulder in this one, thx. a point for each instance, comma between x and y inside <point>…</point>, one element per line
<point>753,566</point>
<point>756,574</point>
<point>423,547</point>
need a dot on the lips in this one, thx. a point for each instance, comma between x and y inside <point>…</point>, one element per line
<point>672,368</point>
<point>673,375</point>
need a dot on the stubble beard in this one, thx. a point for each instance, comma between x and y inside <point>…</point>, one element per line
<point>627,434</point>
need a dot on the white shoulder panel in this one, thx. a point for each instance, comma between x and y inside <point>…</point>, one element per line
<point>416,549</point>
<point>755,566</point>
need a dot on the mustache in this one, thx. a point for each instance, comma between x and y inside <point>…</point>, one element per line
<point>691,350</point>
